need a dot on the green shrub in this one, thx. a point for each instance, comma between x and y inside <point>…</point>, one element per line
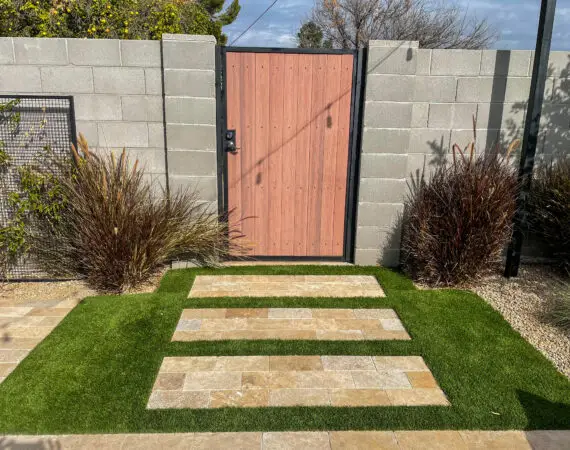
<point>114,19</point>
<point>549,208</point>
<point>459,221</point>
<point>115,232</point>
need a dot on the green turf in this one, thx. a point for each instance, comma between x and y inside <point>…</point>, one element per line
<point>94,373</point>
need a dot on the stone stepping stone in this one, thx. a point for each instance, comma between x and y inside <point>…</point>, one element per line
<point>286,286</point>
<point>261,381</point>
<point>214,324</point>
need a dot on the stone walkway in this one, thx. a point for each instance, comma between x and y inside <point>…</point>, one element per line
<point>24,326</point>
<point>289,323</point>
<point>334,440</point>
<point>286,286</point>
<point>257,381</point>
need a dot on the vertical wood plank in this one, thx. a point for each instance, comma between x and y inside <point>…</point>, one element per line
<point>234,119</point>
<point>260,152</point>
<point>316,149</point>
<point>290,165</point>
<point>331,126</point>
<point>343,137</point>
<point>246,152</point>
<point>274,153</point>
<point>302,153</point>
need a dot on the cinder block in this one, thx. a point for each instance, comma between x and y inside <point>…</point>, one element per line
<point>192,162</point>
<point>424,62</point>
<point>558,64</point>
<point>97,107</point>
<point>156,135</point>
<point>6,50</point>
<point>189,55</point>
<point>420,115</point>
<point>94,52</point>
<point>382,165</point>
<point>397,88</point>
<point>435,89</point>
<point>429,141</point>
<point>206,187</point>
<point>501,115</point>
<point>67,80</point>
<point>140,53</point>
<point>151,159</point>
<point>383,43</point>
<point>505,62</point>
<point>20,79</point>
<point>463,114</point>
<point>366,257</point>
<point>144,108</point>
<point>191,137</point>
<point>387,115</point>
<point>89,130</point>
<point>455,62</point>
<point>385,60</point>
<point>486,139</point>
<point>376,238</point>
<point>553,117</point>
<point>496,90</point>
<point>123,134</point>
<point>153,81</point>
<point>119,80</point>
<point>389,257</point>
<point>376,190</point>
<point>422,166</point>
<point>40,51</point>
<point>440,115</point>
<point>376,140</point>
<point>382,215</point>
<point>191,83</point>
<point>191,110</point>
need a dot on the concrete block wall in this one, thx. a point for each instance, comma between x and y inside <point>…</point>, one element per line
<point>388,112</point>
<point>116,85</point>
<point>190,114</point>
<point>419,102</point>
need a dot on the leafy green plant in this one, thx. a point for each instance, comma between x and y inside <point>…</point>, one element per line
<point>549,207</point>
<point>115,232</point>
<point>116,19</point>
<point>459,221</point>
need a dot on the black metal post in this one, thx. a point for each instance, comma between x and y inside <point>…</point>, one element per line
<point>530,136</point>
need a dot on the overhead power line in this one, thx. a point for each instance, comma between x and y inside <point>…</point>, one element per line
<point>254,22</point>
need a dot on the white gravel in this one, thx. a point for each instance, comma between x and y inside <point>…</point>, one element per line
<point>525,302</point>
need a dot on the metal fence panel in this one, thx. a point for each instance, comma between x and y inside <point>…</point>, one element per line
<point>32,125</point>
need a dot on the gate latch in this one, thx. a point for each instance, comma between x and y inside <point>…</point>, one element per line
<point>230,141</point>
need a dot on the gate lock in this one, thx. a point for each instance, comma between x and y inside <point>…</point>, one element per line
<point>230,141</point>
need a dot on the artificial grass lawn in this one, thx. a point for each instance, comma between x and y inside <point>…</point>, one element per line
<point>94,373</point>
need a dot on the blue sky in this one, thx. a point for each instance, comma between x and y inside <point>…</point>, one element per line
<point>516,21</point>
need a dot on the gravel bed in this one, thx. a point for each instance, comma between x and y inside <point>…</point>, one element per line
<point>525,302</point>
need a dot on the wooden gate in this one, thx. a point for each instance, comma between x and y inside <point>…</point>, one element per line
<point>285,150</point>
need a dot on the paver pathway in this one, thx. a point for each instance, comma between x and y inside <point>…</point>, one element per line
<point>24,326</point>
<point>286,286</point>
<point>317,440</point>
<point>289,323</point>
<point>257,381</point>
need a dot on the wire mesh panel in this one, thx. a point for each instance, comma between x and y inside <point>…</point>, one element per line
<point>30,127</point>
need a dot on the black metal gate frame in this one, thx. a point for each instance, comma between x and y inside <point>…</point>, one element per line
<point>355,140</point>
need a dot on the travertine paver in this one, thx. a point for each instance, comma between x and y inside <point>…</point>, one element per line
<point>24,326</point>
<point>288,324</point>
<point>286,286</point>
<point>302,440</point>
<point>257,381</point>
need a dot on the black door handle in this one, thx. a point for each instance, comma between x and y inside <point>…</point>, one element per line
<point>230,141</point>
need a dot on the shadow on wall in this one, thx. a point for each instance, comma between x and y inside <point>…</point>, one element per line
<point>504,120</point>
